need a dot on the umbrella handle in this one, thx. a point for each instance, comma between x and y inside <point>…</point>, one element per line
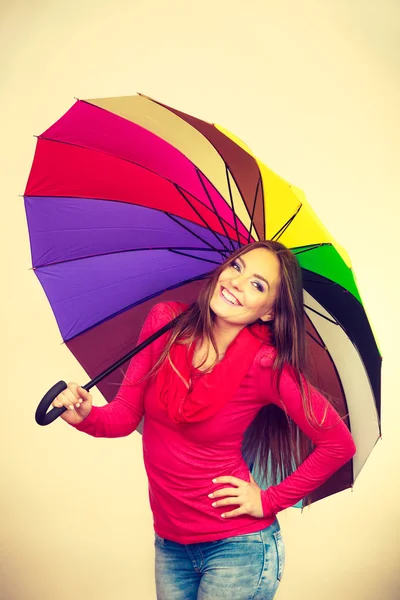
<point>43,417</point>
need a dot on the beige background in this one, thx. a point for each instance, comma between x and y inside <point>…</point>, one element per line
<point>313,88</point>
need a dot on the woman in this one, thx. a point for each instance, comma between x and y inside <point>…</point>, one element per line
<point>224,389</point>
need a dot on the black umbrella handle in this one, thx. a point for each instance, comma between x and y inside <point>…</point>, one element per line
<point>43,417</point>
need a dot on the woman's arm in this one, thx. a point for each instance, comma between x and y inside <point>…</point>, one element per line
<point>334,446</point>
<point>123,414</point>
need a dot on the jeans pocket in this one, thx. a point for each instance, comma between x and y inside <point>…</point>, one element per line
<point>280,553</point>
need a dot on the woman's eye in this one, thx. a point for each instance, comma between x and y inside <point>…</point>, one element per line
<point>259,286</point>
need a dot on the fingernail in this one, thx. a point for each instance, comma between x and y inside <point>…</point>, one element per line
<point>214,481</point>
<point>223,515</point>
<point>214,504</point>
<point>71,407</point>
<point>211,495</point>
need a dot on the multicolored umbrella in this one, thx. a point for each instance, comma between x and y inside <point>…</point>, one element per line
<point>130,202</point>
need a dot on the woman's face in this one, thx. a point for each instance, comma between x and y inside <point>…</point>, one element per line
<point>247,288</point>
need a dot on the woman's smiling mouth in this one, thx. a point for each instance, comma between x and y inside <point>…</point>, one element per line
<point>228,297</point>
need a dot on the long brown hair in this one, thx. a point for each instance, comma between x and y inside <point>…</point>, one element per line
<point>273,442</point>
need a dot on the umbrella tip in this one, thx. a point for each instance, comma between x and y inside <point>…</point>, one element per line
<point>76,98</point>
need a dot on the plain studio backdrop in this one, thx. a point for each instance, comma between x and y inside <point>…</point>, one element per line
<point>313,88</point>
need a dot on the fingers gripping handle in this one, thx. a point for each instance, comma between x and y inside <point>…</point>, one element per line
<point>43,417</point>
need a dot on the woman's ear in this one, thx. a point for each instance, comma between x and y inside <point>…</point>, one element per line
<point>269,316</point>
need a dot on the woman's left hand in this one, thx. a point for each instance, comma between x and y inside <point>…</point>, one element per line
<point>246,493</point>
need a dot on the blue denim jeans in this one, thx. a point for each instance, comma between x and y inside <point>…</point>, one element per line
<point>243,567</point>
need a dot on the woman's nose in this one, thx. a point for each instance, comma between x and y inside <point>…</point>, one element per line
<point>236,282</point>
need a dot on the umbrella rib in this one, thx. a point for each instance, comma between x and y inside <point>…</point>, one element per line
<point>60,262</point>
<point>148,208</point>
<point>214,262</point>
<point>106,153</point>
<point>315,340</point>
<point>227,171</point>
<point>132,162</point>
<point>328,354</point>
<point>213,205</point>
<point>111,284</point>
<point>328,282</point>
<point>139,302</point>
<point>313,247</point>
<point>254,209</point>
<point>284,227</point>
<point>169,109</point>
<point>263,207</point>
<point>192,233</point>
<point>321,315</point>
<point>199,215</point>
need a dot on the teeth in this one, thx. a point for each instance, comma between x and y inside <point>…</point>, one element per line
<point>229,297</point>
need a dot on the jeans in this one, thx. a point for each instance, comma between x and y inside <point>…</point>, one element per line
<point>243,567</point>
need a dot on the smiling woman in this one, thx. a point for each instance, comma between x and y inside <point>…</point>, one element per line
<point>216,531</point>
<point>240,285</point>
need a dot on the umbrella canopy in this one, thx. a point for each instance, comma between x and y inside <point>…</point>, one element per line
<point>130,202</point>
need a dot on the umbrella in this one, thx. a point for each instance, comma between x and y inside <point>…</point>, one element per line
<point>130,202</point>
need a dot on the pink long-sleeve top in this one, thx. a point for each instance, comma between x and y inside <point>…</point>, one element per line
<point>181,460</point>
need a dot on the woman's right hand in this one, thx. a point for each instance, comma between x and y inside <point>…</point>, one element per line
<point>77,401</point>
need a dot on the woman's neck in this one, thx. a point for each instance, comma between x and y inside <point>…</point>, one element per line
<point>225,333</point>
